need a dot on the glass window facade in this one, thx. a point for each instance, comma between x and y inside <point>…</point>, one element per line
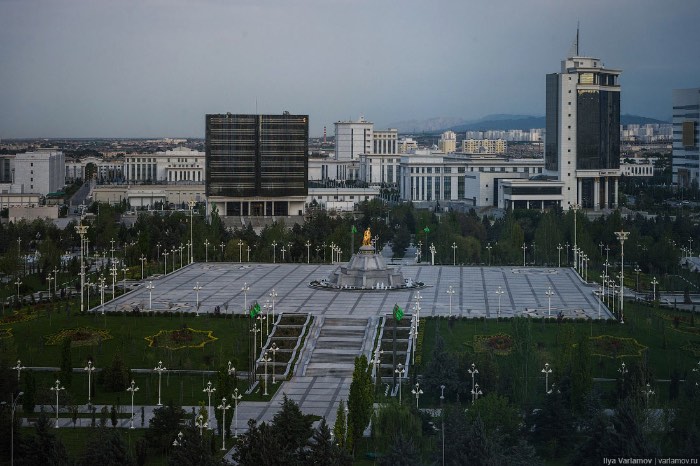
<point>257,155</point>
<point>598,130</point>
<point>551,159</point>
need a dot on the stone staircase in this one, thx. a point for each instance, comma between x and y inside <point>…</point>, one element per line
<point>339,341</point>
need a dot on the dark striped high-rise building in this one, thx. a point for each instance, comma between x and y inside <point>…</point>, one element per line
<point>257,165</point>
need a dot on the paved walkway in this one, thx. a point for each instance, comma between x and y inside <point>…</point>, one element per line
<point>346,321</point>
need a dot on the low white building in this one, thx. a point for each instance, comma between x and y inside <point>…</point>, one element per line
<point>340,199</point>
<point>179,165</point>
<point>39,172</point>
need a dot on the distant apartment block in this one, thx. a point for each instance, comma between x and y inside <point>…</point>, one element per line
<point>686,150</point>
<point>448,142</point>
<point>484,146</point>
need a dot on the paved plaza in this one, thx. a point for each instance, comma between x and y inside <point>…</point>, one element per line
<point>346,320</point>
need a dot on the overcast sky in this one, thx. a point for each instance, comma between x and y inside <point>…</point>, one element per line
<point>154,68</point>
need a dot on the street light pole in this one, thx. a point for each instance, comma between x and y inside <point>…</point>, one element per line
<point>454,253</point>
<point>546,371</point>
<point>82,230</point>
<point>102,293</point>
<point>223,407</point>
<point>308,251</point>
<point>575,208</point>
<point>499,292</point>
<point>209,390</point>
<point>240,251</point>
<point>89,368</point>
<point>199,422</point>
<point>236,398</point>
<point>475,393</point>
<point>450,292</point>
<point>473,371</point>
<point>417,392</point>
<point>133,389</point>
<point>400,371</point>
<point>622,236</point>
<point>273,295</point>
<point>266,359</point>
<point>150,288</point>
<point>549,294</point>
<point>654,283</point>
<point>18,368</point>
<point>159,369</point>
<point>524,247</point>
<point>57,388</point>
<point>274,348</point>
<point>274,252</point>
<point>559,248</point>
<point>191,203</point>
<point>13,407</point>
<point>142,259</point>
<point>196,288</point>
<point>488,248</point>
<point>637,270</point>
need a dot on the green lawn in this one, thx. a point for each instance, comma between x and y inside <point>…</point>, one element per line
<point>668,348</point>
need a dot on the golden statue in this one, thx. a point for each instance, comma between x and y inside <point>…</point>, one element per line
<point>367,239</point>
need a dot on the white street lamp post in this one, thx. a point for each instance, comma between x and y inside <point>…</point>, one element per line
<point>199,422</point>
<point>450,292</point>
<point>223,407</point>
<point>165,265</point>
<point>245,288</point>
<point>647,391</point>
<point>236,398</point>
<point>133,389</point>
<point>417,392</point>
<point>13,407</point>
<point>81,230</point>
<point>454,253</point>
<point>575,208</point>
<point>473,371</point>
<point>89,369</point>
<point>206,250</point>
<point>196,288</point>
<point>274,252</point>
<point>18,282</point>
<point>18,368</point>
<point>622,236</point>
<point>273,295</point>
<point>240,251</point>
<point>489,247</point>
<point>400,371</point>
<point>559,248</point>
<point>160,369</point>
<point>549,294</point>
<point>283,250</point>
<point>191,203</point>
<point>209,390</point>
<point>102,293</point>
<point>475,393</point>
<point>266,359</point>
<point>57,388</point>
<point>546,371</point>
<point>150,288</point>
<point>654,283</point>
<point>274,348</point>
<point>524,247</point>
<point>142,259</point>
<point>499,292</point>
<point>55,282</point>
<point>308,251</point>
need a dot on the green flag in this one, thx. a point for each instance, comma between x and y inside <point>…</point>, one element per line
<point>398,312</point>
<point>426,229</point>
<point>254,310</point>
<point>354,230</point>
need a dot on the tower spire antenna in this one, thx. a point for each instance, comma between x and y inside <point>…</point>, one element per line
<point>577,30</point>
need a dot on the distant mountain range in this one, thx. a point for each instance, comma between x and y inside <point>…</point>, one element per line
<point>496,122</point>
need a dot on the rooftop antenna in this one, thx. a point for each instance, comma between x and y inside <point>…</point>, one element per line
<point>573,51</point>
<point>577,28</point>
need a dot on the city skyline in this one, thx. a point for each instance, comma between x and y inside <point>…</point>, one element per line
<point>154,69</point>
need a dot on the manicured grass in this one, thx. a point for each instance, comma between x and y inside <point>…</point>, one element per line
<point>128,340</point>
<point>666,346</point>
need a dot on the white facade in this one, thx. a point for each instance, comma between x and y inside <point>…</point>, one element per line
<point>341,199</point>
<point>407,145</point>
<point>40,172</point>
<point>180,165</point>
<point>637,169</point>
<point>352,139</point>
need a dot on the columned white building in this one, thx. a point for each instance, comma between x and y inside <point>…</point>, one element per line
<point>179,165</point>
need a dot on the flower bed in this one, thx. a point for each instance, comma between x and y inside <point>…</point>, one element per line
<point>17,317</point>
<point>285,343</point>
<point>500,344</point>
<point>290,319</point>
<point>614,347</point>
<point>180,338</point>
<point>5,333</point>
<point>80,336</point>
